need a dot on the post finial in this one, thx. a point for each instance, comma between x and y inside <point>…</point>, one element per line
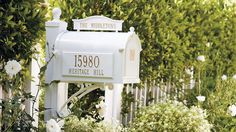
<point>131,29</point>
<point>56,12</point>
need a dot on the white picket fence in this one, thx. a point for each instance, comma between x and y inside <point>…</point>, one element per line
<point>157,92</point>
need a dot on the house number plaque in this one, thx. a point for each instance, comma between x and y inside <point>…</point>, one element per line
<point>87,64</point>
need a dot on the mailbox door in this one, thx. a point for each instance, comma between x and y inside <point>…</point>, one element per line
<point>132,59</point>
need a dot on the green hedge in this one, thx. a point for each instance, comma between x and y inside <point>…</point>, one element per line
<point>173,33</point>
<point>22,23</point>
<point>21,27</point>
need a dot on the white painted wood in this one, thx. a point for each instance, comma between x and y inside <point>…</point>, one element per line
<point>145,94</point>
<point>91,56</point>
<point>98,23</point>
<point>117,101</point>
<point>118,55</point>
<point>108,103</point>
<point>53,28</point>
<point>140,98</point>
<point>63,112</point>
<point>157,93</point>
<point>56,96</point>
<point>32,86</point>
<point>153,92</point>
<point>192,81</point>
<point>160,91</point>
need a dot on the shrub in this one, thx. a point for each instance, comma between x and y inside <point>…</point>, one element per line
<point>170,116</point>
<point>217,103</point>
<point>22,25</point>
<point>73,124</point>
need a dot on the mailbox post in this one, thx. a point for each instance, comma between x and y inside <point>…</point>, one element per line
<point>56,93</point>
<point>110,58</point>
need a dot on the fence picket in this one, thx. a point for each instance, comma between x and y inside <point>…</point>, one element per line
<point>159,92</point>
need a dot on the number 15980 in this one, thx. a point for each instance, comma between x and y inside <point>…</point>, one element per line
<point>86,61</point>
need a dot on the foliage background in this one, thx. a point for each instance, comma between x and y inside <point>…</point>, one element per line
<point>217,102</point>
<point>173,34</point>
<point>170,116</point>
<point>22,25</point>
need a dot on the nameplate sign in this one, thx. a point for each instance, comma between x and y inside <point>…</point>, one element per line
<point>85,64</point>
<point>98,23</point>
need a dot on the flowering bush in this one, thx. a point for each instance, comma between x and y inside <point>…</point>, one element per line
<point>52,126</point>
<point>220,104</point>
<point>170,116</point>
<point>201,58</point>
<point>73,124</point>
<point>14,117</point>
<point>201,98</point>
<point>232,110</point>
<point>22,24</point>
<point>12,68</point>
<point>101,107</point>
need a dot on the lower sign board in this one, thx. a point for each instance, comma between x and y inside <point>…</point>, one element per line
<point>86,64</point>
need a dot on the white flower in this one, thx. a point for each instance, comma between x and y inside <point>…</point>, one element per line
<point>224,77</point>
<point>201,98</point>
<point>185,102</point>
<point>234,77</point>
<point>101,108</point>
<point>208,44</point>
<point>102,98</point>
<point>201,58</point>
<point>232,110</point>
<point>189,72</point>
<point>181,80</point>
<point>192,84</point>
<point>230,2</point>
<point>52,126</point>
<point>22,107</point>
<point>12,68</point>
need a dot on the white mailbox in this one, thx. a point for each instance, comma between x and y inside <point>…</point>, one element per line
<point>109,57</point>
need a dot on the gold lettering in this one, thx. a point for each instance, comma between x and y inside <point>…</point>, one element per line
<point>132,55</point>
<point>83,25</point>
<point>103,26</point>
<point>98,72</point>
<point>75,71</point>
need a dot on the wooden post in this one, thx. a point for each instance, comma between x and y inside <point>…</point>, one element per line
<point>32,86</point>
<point>117,101</point>
<point>56,96</point>
<point>56,93</point>
<point>108,104</point>
<point>113,104</point>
